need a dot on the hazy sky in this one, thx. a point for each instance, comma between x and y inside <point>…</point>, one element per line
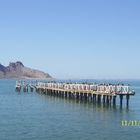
<point>72,38</point>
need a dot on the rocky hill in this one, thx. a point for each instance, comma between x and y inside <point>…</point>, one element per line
<point>19,71</point>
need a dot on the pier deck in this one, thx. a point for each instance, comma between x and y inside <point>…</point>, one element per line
<point>105,93</point>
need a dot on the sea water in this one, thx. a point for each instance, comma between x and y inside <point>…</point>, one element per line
<point>33,116</point>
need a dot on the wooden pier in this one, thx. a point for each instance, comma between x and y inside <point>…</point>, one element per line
<point>101,93</point>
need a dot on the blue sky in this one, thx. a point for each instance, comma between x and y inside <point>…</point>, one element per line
<point>73,38</point>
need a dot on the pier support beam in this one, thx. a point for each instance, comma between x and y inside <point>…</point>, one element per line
<point>99,98</point>
<point>110,99</point>
<point>94,97</point>
<point>77,95</point>
<point>114,100</point>
<point>66,94</point>
<point>31,89</point>
<point>70,94</point>
<point>121,100</point>
<point>107,99</point>
<point>89,97</point>
<point>81,96</point>
<point>104,96</point>
<point>85,96</point>
<point>127,100</point>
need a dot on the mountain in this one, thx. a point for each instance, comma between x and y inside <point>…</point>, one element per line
<point>19,71</point>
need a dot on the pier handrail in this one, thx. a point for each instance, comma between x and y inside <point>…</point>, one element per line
<point>102,88</point>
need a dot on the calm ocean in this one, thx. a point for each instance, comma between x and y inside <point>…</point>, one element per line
<point>32,116</point>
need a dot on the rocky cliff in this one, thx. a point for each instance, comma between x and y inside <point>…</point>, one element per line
<point>19,71</point>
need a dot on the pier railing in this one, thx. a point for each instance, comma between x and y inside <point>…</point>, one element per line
<point>99,88</point>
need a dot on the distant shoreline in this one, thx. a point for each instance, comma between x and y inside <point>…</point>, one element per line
<point>27,78</point>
